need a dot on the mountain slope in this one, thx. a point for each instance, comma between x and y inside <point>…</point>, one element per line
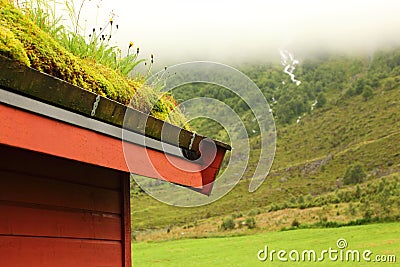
<point>312,156</point>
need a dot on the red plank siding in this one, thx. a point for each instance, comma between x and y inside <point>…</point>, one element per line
<point>43,221</point>
<point>20,251</point>
<point>31,189</point>
<point>31,163</point>
<point>53,212</point>
<point>126,222</point>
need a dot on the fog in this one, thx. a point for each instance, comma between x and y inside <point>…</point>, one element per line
<point>230,31</point>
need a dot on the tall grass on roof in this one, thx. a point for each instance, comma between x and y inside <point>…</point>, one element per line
<point>30,35</point>
<point>95,45</point>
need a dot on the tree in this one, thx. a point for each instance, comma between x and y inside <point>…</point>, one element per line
<point>359,86</point>
<point>389,83</point>
<point>354,174</point>
<point>321,100</point>
<point>367,93</point>
<point>228,224</point>
<point>251,223</point>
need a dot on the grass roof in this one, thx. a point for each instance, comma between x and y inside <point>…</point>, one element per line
<point>22,40</point>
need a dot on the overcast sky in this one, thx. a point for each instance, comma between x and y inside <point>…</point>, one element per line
<point>221,30</point>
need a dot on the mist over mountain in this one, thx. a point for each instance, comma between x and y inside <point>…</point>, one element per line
<point>234,31</point>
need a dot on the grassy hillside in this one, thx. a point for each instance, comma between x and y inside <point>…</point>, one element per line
<point>242,251</point>
<point>359,124</point>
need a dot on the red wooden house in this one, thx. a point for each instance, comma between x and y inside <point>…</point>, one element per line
<point>64,180</point>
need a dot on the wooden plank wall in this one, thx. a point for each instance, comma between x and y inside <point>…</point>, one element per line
<point>56,212</point>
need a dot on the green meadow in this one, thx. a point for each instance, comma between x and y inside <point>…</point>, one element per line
<point>380,239</point>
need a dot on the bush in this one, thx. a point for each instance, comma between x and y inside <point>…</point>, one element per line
<point>389,83</point>
<point>352,209</point>
<point>254,212</point>
<point>237,215</point>
<point>228,224</point>
<point>358,192</point>
<point>321,100</point>
<point>354,174</point>
<point>350,92</point>
<point>295,223</point>
<point>359,86</point>
<point>367,93</point>
<point>273,207</point>
<point>251,223</point>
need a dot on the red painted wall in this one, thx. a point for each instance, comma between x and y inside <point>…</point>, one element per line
<point>58,212</point>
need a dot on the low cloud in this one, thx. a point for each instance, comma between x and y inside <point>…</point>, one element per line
<point>231,31</point>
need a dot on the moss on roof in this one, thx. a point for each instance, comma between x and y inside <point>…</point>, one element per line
<point>23,41</point>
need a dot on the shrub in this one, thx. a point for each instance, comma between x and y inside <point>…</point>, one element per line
<point>354,174</point>
<point>273,207</point>
<point>350,92</point>
<point>295,223</point>
<point>228,224</point>
<point>254,212</point>
<point>367,93</point>
<point>321,100</point>
<point>389,83</point>
<point>251,223</point>
<point>358,191</point>
<point>236,215</point>
<point>352,209</point>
